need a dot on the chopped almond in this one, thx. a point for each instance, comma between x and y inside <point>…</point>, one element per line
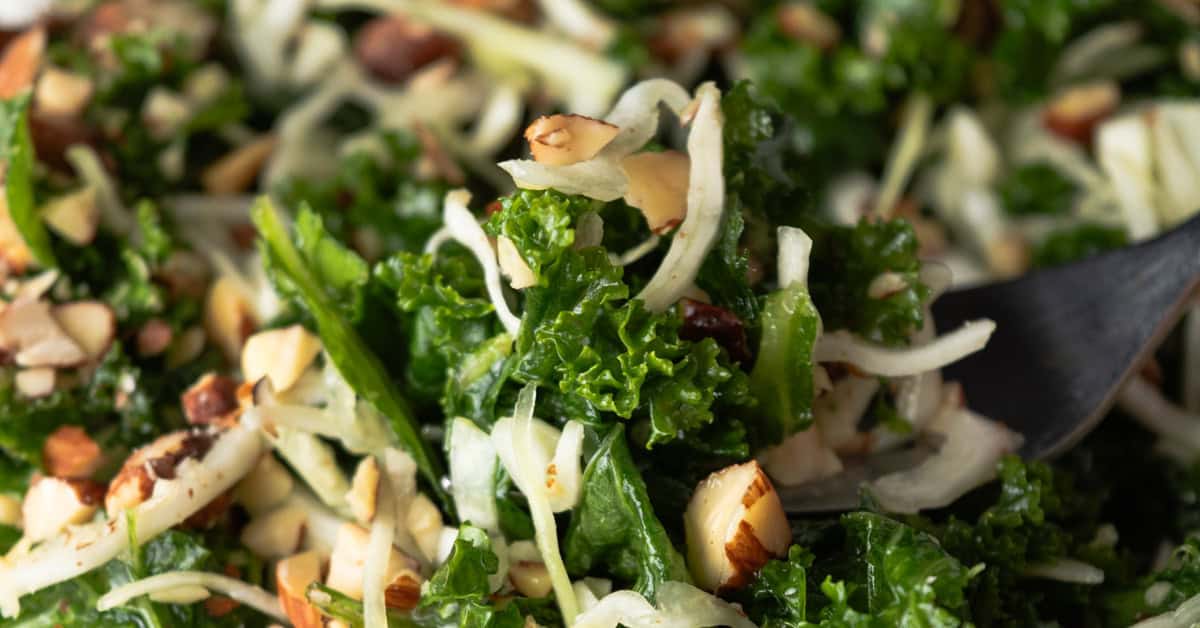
<point>70,453</point>
<point>236,171</point>
<point>74,216</point>
<point>276,534</point>
<point>212,399</point>
<point>265,487</point>
<point>91,324</point>
<point>807,23</point>
<point>280,354</point>
<point>35,382</point>
<point>520,276</point>
<point>1076,112</point>
<point>530,578</point>
<point>350,556</point>
<point>154,337</point>
<point>564,139</point>
<point>52,504</point>
<point>62,93</point>
<point>228,317</point>
<point>364,491</point>
<point>13,250</point>
<point>21,61</point>
<point>28,330</point>
<point>164,112</point>
<point>424,522</point>
<point>734,524</point>
<point>658,184</point>
<point>293,575</point>
<point>134,483</point>
<point>393,47</point>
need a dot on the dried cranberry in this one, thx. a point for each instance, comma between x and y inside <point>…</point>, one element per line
<point>701,320</point>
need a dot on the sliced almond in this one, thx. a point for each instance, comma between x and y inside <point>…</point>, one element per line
<point>235,172</point>
<point>265,487</point>
<point>164,112</point>
<point>1074,113</point>
<point>228,317</point>
<point>348,559</point>
<point>52,504</point>
<point>28,330</point>
<point>135,481</point>
<point>280,354</point>
<point>364,491</point>
<point>276,534</point>
<point>21,61</point>
<point>293,575</point>
<point>658,184</point>
<point>424,522</point>
<point>212,399</point>
<point>70,453</point>
<point>62,93</point>
<point>520,276</point>
<point>807,23</point>
<point>734,524</point>
<point>36,382</point>
<point>74,216</point>
<point>92,324</point>
<point>154,337</point>
<point>530,578</point>
<point>564,139</point>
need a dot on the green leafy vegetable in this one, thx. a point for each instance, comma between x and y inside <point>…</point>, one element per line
<point>16,150</point>
<point>778,597</point>
<point>1075,243</point>
<point>457,593</point>
<point>1036,189</point>
<point>540,223</point>
<point>782,379</point>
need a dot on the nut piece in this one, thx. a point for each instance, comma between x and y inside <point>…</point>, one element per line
<point>62,93</point>
<point>91,324</point>
<point>734,525</point>
<point>134,483</point>
<point>1074,114</point>
<point>265,487</point>
<point>346,567</point>
<point>28,330</point>
<point>280,354</point>
<point>292,577</point>
<point>392,48</point>
<point>154,337</point>
<point>70,453</point>
<point>36,382</point>
<point>212,399</point>
<point>658,184</point>
<point>74,216</point>
<point>530,578</point>
<point>424,522</point>
<point>21,61</point>
<point>807,23</point>
<point>52,504</point>
<point>364,491</point>
<point>13,250</point>
<point>276,534</point>
<point>564,139</point>
<point>520,276</point>
<point>10,510</point>
<point>236,171</point>
<point>228,317</point>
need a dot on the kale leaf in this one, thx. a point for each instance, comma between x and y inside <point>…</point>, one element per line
<point>1036,189</point>
<point>782,379</point>
<point>16,150</point>
<point>1075,243</point>
<point>458,592</point>
<point>540,224</point>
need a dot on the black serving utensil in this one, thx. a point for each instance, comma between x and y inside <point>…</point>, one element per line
<point>1066,339</point>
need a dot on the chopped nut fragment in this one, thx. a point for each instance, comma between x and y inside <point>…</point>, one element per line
<point>62,93</point>
<point>807,23</point>
<point>564,139</point>
<point>52,504</point>
<point>293,575</point>
<point>70,453</point>
<point>154,337</point>
<point>265,487</point>
<point>134,483</point>
<point>658,184</point>
<point>279,354</point>
<point>276,534</point>
<point>364,491</point>
<point>348,559</point>
<point>92,324</point>
<point>74,216</point>
<point>228,317</point>
<point>35,382</point>
<point>392,48</point>
<point>235,172</point>
<point>1076,112</point>
<point>212,399</point>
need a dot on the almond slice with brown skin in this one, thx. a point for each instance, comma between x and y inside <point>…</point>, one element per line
<point>658,184</point>
<point>564,139</point>
<point>235,172</point>
<point>276,534</point>
<point>61,93</point>
<point>92,324</point>
<point>52,504</point>
<point>74,216</point>
<point>21,61</point>
<point>28,330</point>
<point>1076,112</point>
<point>134,483</point>
<point>35,382</point>
<point>70,453</point>
<point>293,575</point>
<point>734,524</point>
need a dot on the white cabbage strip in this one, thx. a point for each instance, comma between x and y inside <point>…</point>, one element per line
<point>248,594</point>
<point>794,249</point>
<point>868,357</point>
<point>233,454</point>
<point>1170,422</point>
<point>1067,570</point>
<point>1123,146</point>
<point>462,226</point>
<point>473,475</point>
<point>680,605</point>
<point>524,444</point>
<point>1185,615</point>
<point>705,203</point>
<point>379,552</point>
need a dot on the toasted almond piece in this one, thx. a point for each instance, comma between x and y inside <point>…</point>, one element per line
<point>70,453</point>
<point>28,329</point>
<point>424,522</point>
<point>392,48</point>
<point>154,337</point>
<point>134,483</point>
<point>212,399</point>
<point>520,276</point>
<point>364,491</point>
<point>1008,255</point>
<point>807,23</point>
<point>235,172</point>
<point>10,510</point>
<point>280,354</point>
<point>265,487</point>
<point>21,61</point>
<point>228,317</point>
<point>74,216</point>
<point>1076,112</point>
<point>276,534</point>
<point>92,324</point>
<point>734,524</point>
<point>52,504</point>
<point>293,575</point>
<point>164,112</point>
<point>350,556</point>
<point>36,287</point>
<point>13,250</point>
<point>564,139</point>
<point>35,382</point>
<point>62,93</point>
<point>658,184</point>
<point>530,578</point>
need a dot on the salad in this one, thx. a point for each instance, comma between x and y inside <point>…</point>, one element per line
<point>504,313</point>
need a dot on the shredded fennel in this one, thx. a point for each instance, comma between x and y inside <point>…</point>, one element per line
<point>248,594</point>
<point>464,229</point>
<point>842,346</point>
<point>379,551</point>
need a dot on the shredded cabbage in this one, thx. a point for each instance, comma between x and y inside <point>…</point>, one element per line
<point>680,605</point>
<point>842,346</point>
<point>379,552</point>
<point>248,594</point>
<point>472,475</point>
<point>1067,570</point>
